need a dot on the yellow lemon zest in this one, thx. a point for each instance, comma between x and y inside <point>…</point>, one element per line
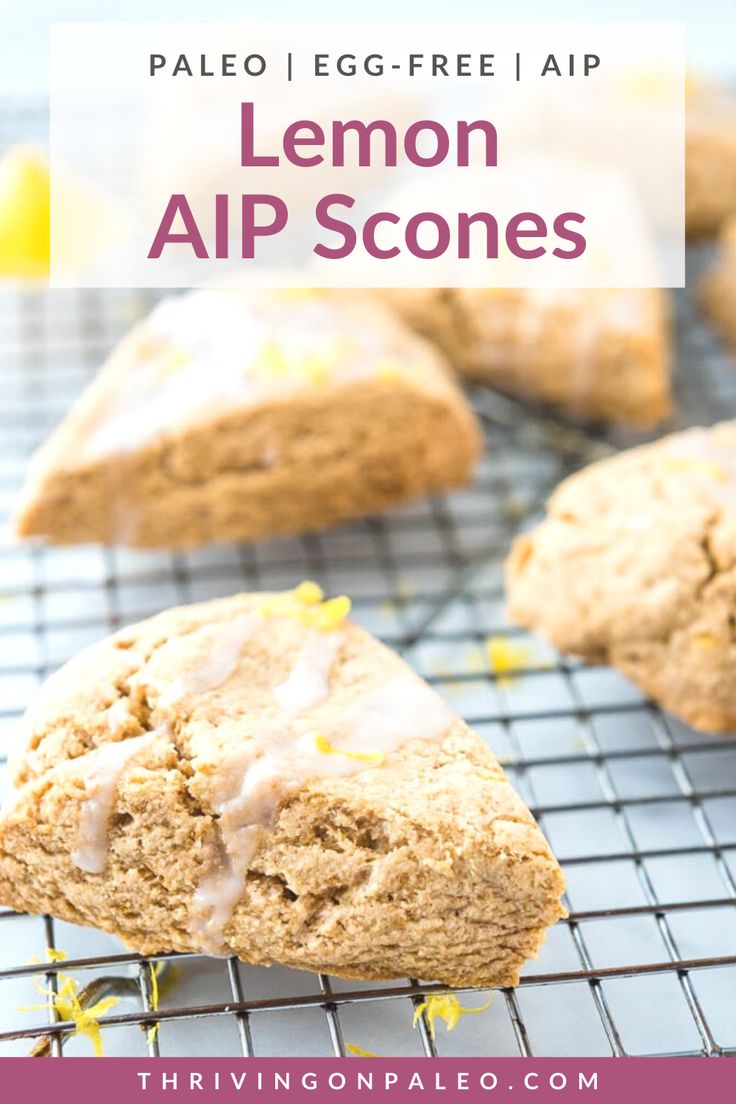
<point>153,1031</point>
<point>271,360</point>
<point>445,1006</point>
<point>705,641</point>
<point>306,604</point>
<point>388,370</point>
<point>695,465</point>
<point>358,1052</point>
<point>506,659</point>
<point>332,613</point>
<point>323,744</point>
<point>315,366</point>
<point>52,955</point>
<point>25,214</point>
<point>170,361</point>
<point>67,1007</point>
<point>309,593</point>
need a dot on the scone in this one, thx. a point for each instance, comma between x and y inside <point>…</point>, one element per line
<point>710,156</point>
<point>235,415</point>
<point>596,354</point>
<point>635,566</point>
<point>718,287</point>
<point>257,776</point>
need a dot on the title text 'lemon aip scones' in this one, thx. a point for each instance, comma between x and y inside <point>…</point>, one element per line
<point>635,565</point>
<point>235,415</point>
<point>596,354</point>
<point>260,777</point>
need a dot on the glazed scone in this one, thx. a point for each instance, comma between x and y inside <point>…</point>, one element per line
<point>635,566</point>
<point>718,287</point>
<point>257,776</point>
<point>710,156</point>
<point>596,354</point>
<point>235,415</point>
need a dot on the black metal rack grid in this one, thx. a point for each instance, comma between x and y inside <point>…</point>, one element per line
<point>639,808</point>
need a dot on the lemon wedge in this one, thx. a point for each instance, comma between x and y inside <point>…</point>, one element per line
<point>24,214</point>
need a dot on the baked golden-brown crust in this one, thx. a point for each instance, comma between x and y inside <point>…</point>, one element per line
<point>635,566</point>
<point>597,354</point>
<point>423,863</point>
<point>236,415</point>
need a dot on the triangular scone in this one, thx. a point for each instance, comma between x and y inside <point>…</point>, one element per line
<point>260,777</point>
<point>635,566</point>
<point>235,415</point>
<point>596,353</point>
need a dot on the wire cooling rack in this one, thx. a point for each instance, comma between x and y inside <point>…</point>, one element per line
<point>640,810</point>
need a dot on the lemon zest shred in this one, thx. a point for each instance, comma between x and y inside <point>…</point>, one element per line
<point>152,1032</point>
<point>67,1007</point>
<point>388,370</point>
<point>358,1052</point>
<point>306,604</point>
<point>445,1006</point>
<point>695,464</point>
<point>323,744</point>
<point>272,361</point>
<point>506,659</point>
<point>308,592</point>
<point>315,368</point>
<point>52,955</point>
<point>170,361</point>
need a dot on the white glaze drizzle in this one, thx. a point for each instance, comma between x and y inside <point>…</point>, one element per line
<point>308,683</point>
<point>249,785</point>
<point>405,708</point>
<point>118,714</point>
<point>229,641</point>
<point>103,769</point>
<point>214,339</point>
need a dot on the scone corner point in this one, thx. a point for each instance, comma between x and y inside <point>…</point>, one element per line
<point>258,776</point>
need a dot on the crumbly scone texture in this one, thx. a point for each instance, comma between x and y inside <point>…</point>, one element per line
<point>288,460</point>
<point>718,287</point>
<point>596,354</point>
<point>710,158</point>
<point>428,865</point>
<point>635,566</point>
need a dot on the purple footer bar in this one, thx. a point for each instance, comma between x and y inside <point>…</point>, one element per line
<point>390,1080</point>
